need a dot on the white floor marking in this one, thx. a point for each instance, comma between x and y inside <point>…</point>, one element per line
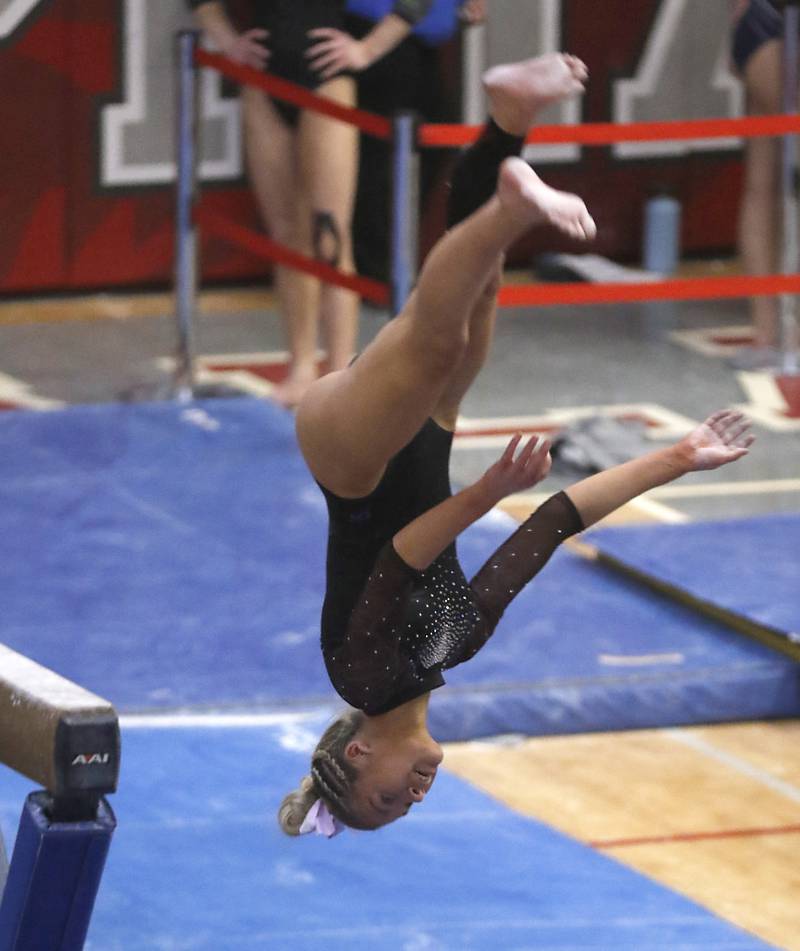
<point>225,721</point>
<point>757,487</point>
<point>701,490</point>
<point>663,423</point>
<point>659,512</point>
<point>767,779</point>
<point>640,660</point>
<point>21,394</point>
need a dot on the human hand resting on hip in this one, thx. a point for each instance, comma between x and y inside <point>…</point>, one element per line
<point>334,52</point>
<point>248,48</point>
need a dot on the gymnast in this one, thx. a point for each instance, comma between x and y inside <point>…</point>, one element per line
<point>376,436</point>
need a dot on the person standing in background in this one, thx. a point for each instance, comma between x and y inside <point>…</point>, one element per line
<point>757,53</point>
<point>412,77</point>
<point>303,165</point>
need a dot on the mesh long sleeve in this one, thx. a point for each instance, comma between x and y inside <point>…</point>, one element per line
<point>512,566</point>
<point>368,663</point>
<point>408,625</point>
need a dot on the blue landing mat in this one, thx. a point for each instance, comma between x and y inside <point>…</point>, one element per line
<point>198,864</point>
<point>750,567</point>
<point>168,557</point>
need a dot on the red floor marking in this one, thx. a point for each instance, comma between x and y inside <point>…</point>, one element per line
<point>6,405</point>
<point>272,372</point>
<point>790,391</point>
<point>743,340</point>
<point>695,836</point>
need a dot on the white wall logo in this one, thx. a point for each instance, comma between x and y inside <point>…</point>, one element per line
<point>137,134</point>
<point>13,12</point>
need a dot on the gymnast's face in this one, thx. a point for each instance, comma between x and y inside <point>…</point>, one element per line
<point>392,777</point>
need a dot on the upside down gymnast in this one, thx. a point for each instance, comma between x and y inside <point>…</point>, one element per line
<point>398,610</point>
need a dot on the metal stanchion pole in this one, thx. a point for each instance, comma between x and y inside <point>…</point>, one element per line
<point>405,208</point>
<point>185,231</point>
<point>791,244</point>
<point>473,66</point>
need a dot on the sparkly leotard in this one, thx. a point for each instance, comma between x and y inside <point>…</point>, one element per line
<point>389,631</point>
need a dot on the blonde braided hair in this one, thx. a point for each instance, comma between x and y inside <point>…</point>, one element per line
<point>331,778</point>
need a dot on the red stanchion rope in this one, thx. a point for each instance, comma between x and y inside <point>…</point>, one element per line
<point>698,288</point>
<point>436,136</point>
<point>263,246</point>
<point>368,122</point>
<point>607,133</point>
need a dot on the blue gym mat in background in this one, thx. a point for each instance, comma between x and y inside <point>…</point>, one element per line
<point>749,567</point>
<point>172,556</point>
<point>199,864</point>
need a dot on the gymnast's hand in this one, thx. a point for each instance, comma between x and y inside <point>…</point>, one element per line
<point>248,49</point>
<point>724,437</point>
<point>335,52</point>
<point>514,474</point>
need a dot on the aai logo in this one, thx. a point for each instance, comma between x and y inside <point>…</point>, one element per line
<point>91,759</point>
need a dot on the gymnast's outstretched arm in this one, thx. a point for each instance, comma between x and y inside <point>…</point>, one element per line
<point>722,438</point>
<point>424,539</point>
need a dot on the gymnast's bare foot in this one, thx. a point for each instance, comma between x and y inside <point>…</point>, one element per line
<point>518,91</point>
<point>525,195</point>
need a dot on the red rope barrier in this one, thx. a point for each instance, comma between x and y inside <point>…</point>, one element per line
<point>512,295</point>
<point>438,135</point>
<point>368,122</point>
<point>606,133</point>
<point>265,247</point>
<point>678,289</point>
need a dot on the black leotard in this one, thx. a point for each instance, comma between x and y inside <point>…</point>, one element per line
<point>760,22</point>
<point>389,631</point>
<point>288,23</point>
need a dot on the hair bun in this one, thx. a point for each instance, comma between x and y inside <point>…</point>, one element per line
<point>295,805</point>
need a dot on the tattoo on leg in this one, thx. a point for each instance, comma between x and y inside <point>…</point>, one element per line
<point>327,238</point>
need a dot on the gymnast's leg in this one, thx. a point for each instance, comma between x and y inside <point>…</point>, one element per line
<point>515,93</point>
<point>352,422</point>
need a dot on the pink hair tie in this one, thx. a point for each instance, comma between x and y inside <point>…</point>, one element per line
<point>321,820</point>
